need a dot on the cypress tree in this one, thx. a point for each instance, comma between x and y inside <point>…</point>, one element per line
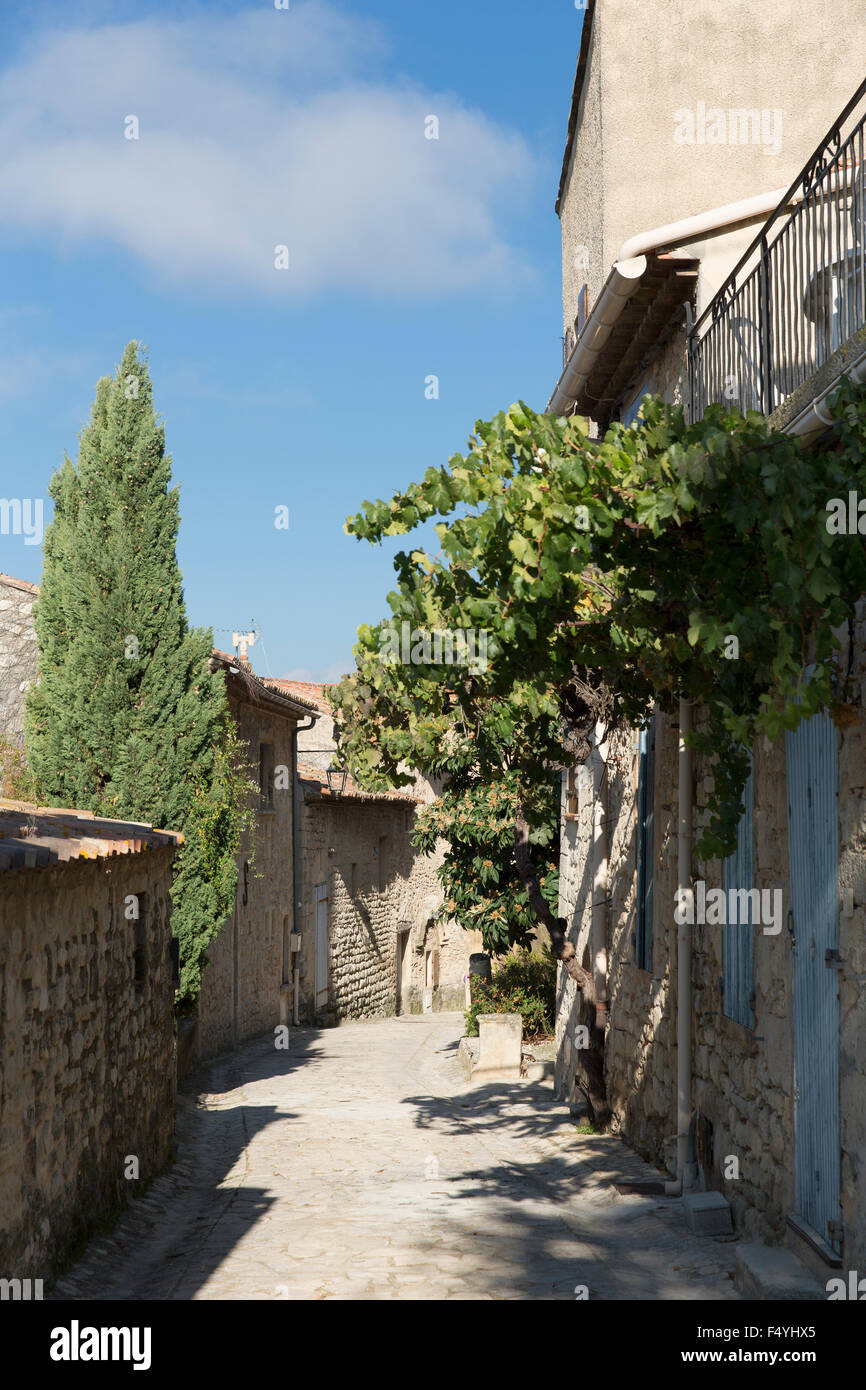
<point>126,719</point>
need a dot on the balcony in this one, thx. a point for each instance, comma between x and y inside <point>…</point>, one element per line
<point>788,313</point>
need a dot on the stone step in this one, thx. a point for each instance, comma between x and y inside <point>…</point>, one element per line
<point>773,1272</point>
<point>708,1213</point>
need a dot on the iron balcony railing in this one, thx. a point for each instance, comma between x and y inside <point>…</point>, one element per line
<point>799,291</point>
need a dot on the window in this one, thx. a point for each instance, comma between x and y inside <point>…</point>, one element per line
<point>738,938</point>
<point>645,863</point>
<point>571,801</point>
<point>266,776</point>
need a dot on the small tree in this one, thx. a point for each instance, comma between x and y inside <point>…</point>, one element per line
<point>666,561</point>
<point>126,720</point>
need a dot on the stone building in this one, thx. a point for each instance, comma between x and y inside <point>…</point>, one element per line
<point>17,653</point>
<point>373,938</point>
<point>87,1045</point>
<point>380,947</point>
<point>247,985</point>
<point>771,1069</point>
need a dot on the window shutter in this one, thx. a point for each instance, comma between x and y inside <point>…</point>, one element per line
<point>738,938</point>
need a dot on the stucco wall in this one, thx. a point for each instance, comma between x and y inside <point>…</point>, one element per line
<point>86,1054</point>
<point>581,212</point>
<point>628,172</point>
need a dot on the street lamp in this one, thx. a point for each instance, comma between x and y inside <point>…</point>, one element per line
<point>337,780</point>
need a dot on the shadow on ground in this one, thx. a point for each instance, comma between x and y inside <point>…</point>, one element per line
<point>202,1217</point>
<point>554,1224</point>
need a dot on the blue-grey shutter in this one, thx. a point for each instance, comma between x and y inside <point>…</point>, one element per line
<point>738,939</point>
<point>645,861</point>
<point>813,847</point>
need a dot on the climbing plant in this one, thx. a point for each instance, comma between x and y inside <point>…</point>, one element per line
<point>666,560</point>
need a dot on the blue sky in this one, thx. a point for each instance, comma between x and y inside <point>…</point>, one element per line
<point>302,387</point>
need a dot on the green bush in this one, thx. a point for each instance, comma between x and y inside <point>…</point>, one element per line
<point>524,983</point>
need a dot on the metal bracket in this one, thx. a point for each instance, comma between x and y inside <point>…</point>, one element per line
<point>833,960</point>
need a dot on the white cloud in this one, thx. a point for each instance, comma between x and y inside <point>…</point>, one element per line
<point>258,129</point>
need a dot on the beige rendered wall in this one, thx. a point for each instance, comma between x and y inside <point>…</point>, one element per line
<point>629,173</point>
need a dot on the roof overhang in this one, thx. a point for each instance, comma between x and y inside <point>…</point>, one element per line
<point>254,691</point>
<point>642,299</point>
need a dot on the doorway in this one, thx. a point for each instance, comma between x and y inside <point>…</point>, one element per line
<point>321,973</point>
<point>404,970</point>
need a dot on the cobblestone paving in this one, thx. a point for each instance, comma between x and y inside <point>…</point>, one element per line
<point>359,1165</point>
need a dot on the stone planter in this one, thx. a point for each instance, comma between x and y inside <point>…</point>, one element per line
<point>499,1037</point>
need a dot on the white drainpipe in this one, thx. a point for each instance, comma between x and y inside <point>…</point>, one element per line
<point>598,926</point>
<point>684,1177</point>
<point>625,277</point>
<point>814,418</point>
<point>622,282</point>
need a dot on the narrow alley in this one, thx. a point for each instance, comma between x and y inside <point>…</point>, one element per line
<point>359,1165</point>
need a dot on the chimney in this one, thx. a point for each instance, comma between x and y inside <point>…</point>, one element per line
<point>241,641</point>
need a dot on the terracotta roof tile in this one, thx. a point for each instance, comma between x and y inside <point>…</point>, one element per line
<point>34,836</point>
<point>315,781</point>
<point>265,683</point>
<point>19,583</point>
<point>306,690</point>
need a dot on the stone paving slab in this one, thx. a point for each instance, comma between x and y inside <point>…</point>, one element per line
<point>359,1165</point>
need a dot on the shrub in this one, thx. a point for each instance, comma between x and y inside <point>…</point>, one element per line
<point>17,782</point>
<point>524,983</point>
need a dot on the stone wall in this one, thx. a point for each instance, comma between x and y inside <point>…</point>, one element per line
<point>742,1078</point>
<point>372,902</point>
<point>245,986</point>
<point>640,1055</point>
<point>17,652</point>
<point>87,1053</point>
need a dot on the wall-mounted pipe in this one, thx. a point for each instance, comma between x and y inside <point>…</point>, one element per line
<point>625,277</point>
<point>622,282</point>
